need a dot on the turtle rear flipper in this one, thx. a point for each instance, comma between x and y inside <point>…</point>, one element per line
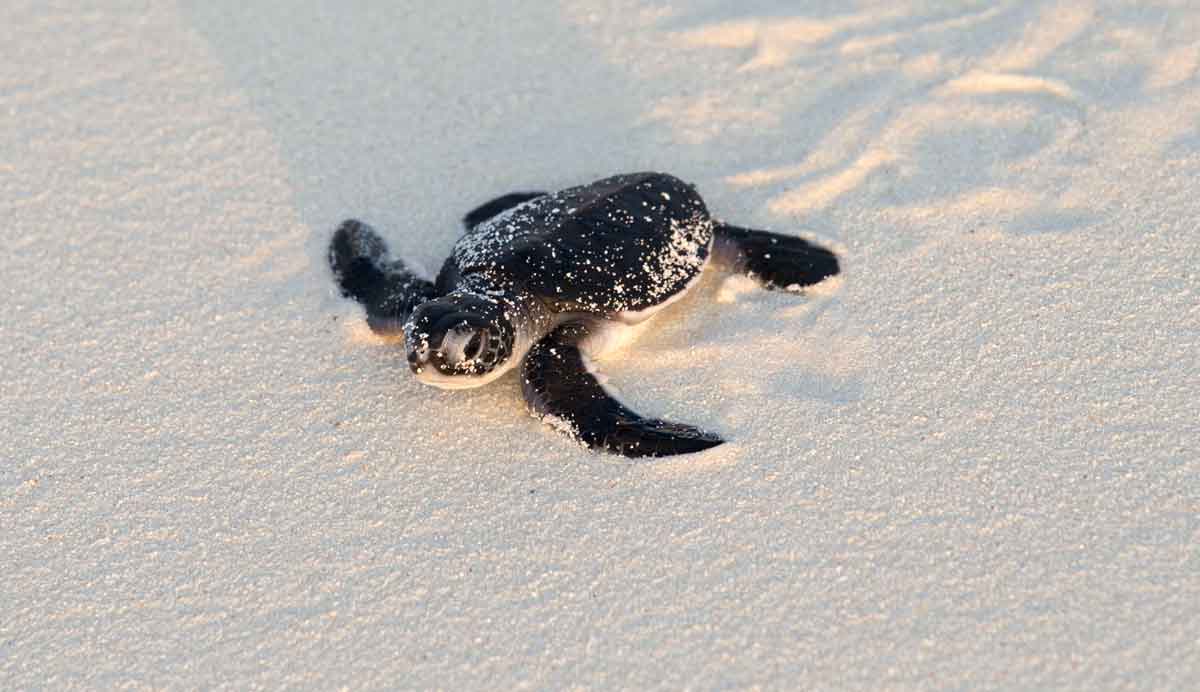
<point>775,261</point>
<point>386,288</point>
<point>497,206</point>
<point>564,393</point>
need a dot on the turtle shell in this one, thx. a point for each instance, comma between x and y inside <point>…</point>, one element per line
<point>621,244</point>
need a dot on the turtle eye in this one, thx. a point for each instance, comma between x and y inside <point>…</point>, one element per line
<point>472,348</point>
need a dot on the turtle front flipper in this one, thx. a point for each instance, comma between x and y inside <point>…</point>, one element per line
<point>385,287</point>
<point>776,261</point>
<point>564,393</point>
<point>497,206</point>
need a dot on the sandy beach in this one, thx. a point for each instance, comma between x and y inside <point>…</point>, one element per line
<point>972,461</point>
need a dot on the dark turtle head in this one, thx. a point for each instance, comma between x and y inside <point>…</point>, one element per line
<point>459,340</point>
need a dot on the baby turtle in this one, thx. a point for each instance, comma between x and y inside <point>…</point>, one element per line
<point>546,280</point>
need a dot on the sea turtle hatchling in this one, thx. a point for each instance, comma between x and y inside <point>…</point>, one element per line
<point>545,280</point>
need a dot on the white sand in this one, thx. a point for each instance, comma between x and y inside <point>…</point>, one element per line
<point>971,463</point>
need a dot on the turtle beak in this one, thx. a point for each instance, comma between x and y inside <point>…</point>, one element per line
<point>421,362</point>
<point>424,359</point>
<point>418,356</point>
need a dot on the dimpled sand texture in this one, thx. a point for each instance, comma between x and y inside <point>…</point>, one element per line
<point>969,462</point>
